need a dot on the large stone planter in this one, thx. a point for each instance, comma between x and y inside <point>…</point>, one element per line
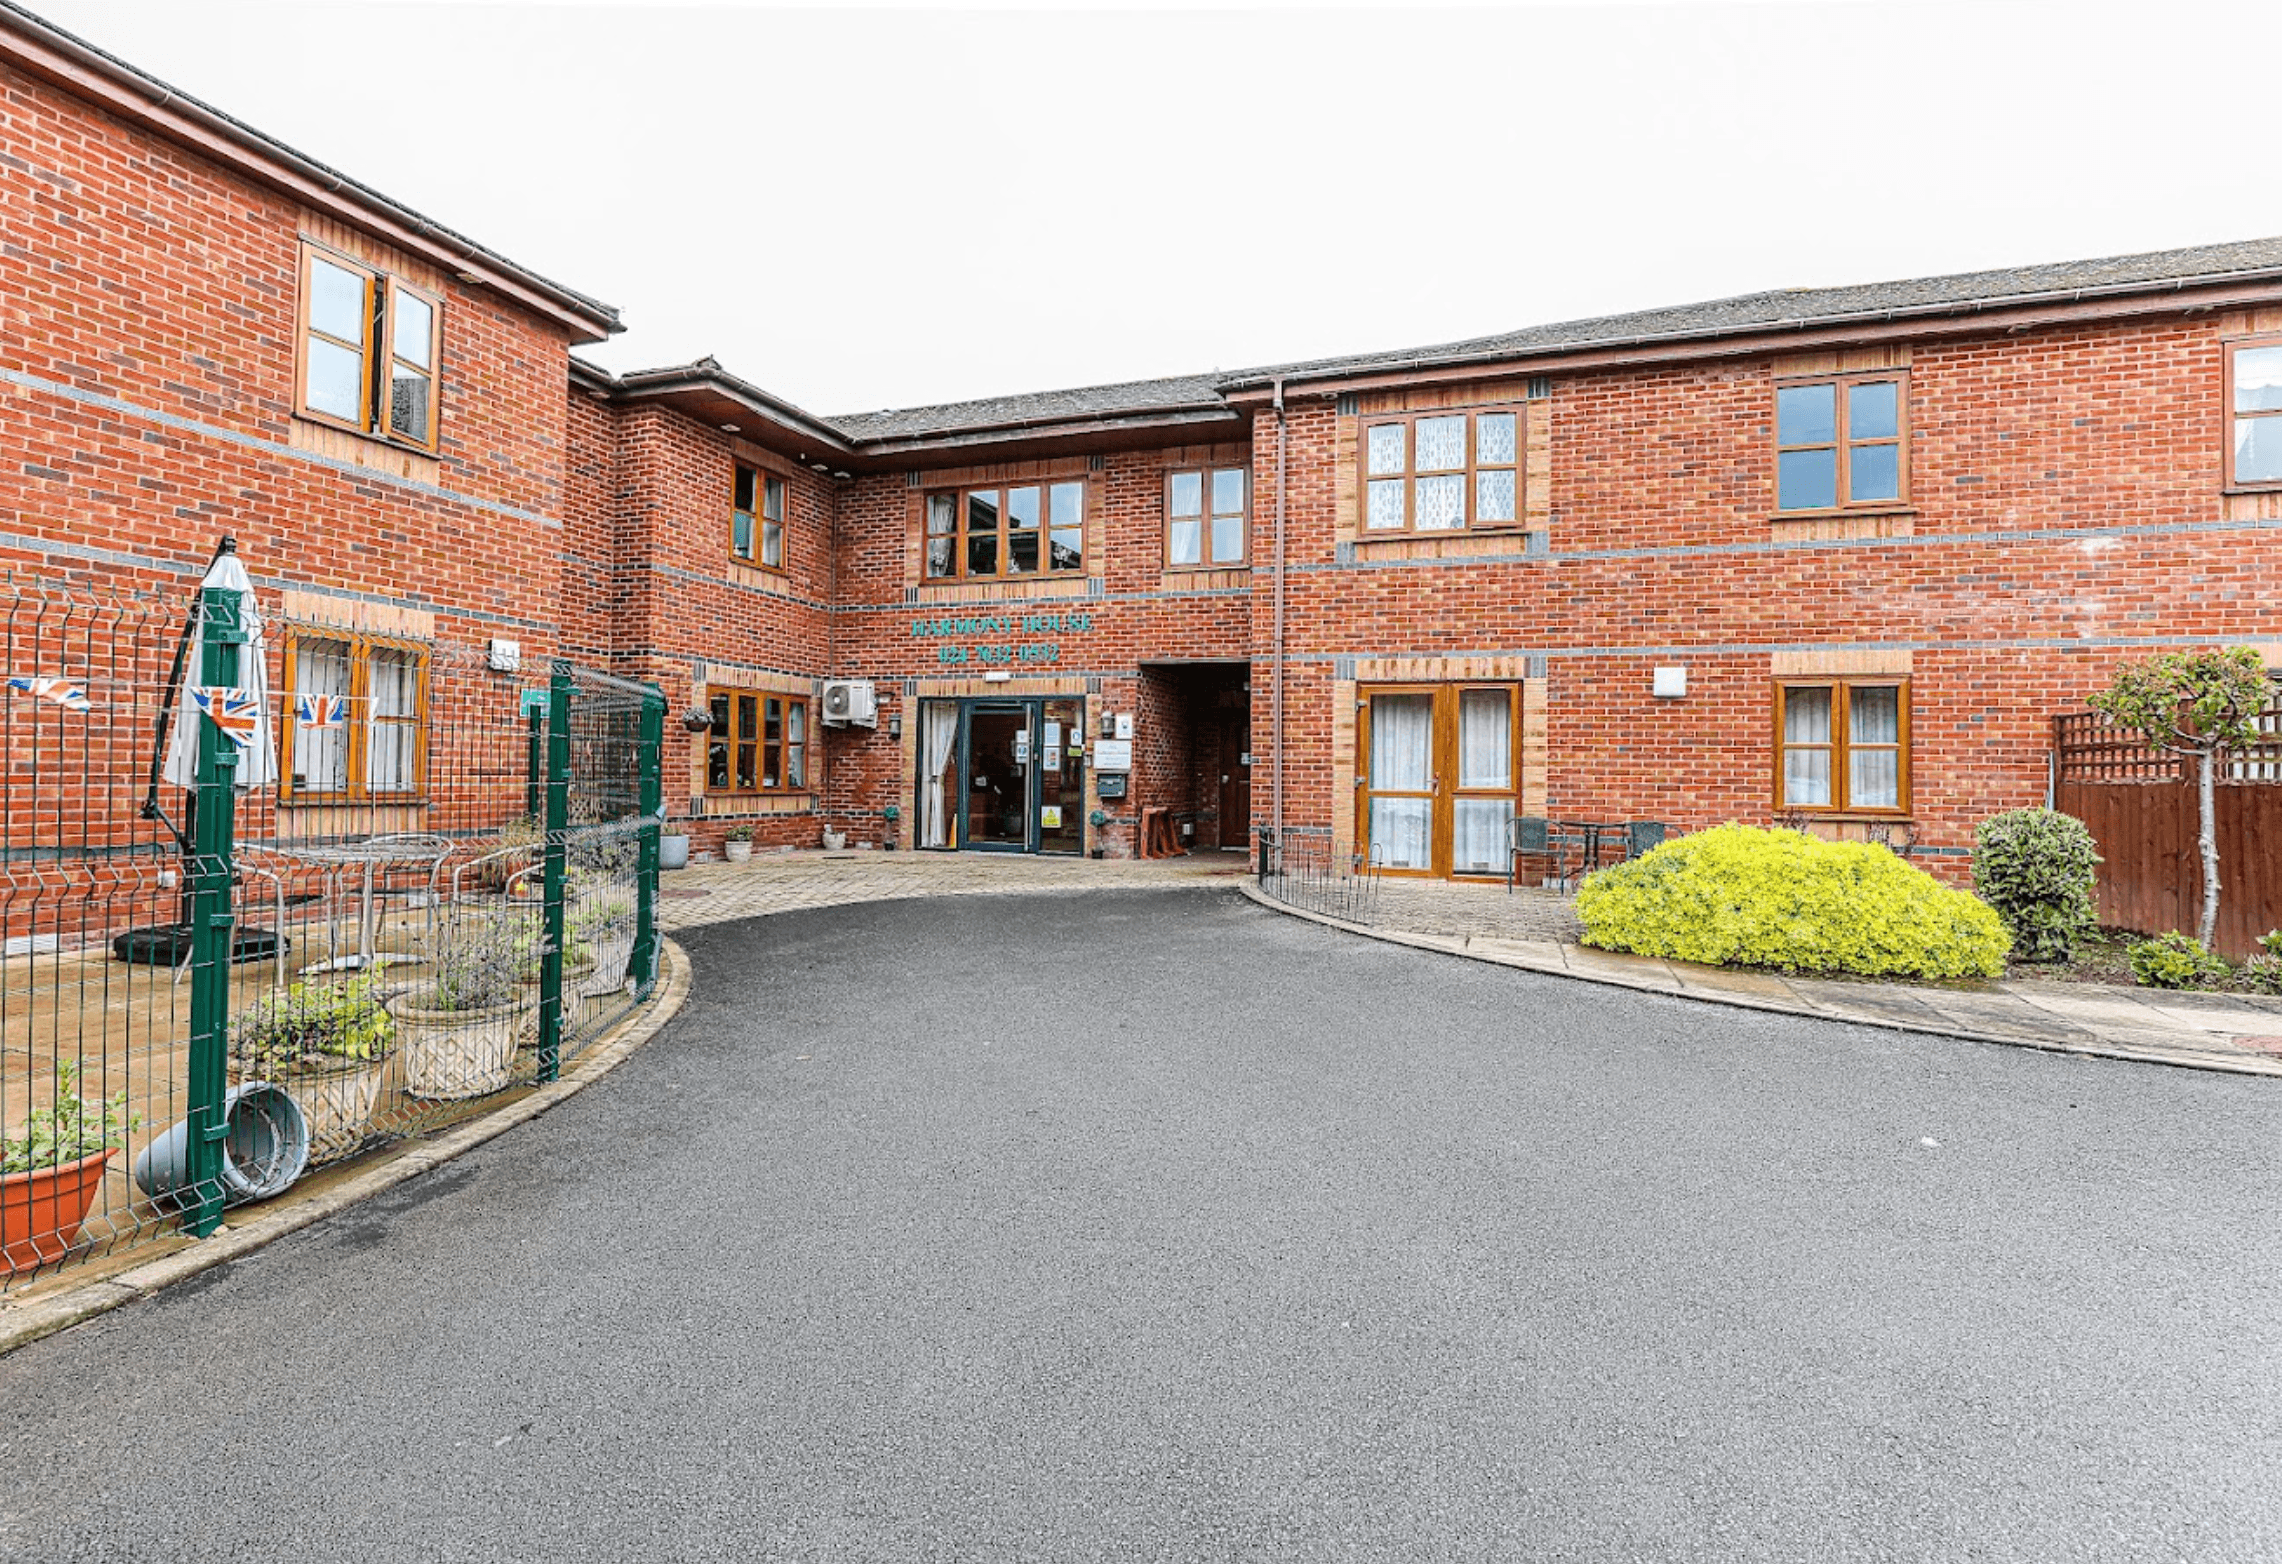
<point>42,1209</point>
<point>612,954</point>
<point>337,1103</point>
<point>450,1054</point>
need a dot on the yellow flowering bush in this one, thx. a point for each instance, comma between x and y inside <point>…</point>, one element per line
<point>1742,897</point>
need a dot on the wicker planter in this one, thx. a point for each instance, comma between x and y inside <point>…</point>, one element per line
<point>41,1210</point>
<point>337,1102</point>
<point>458,1053</point>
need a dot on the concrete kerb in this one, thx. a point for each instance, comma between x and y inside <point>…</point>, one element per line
<point>1705,990</point>
<point>30,1321</point>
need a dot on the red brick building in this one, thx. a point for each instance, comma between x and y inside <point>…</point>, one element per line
<point>1830,555</point>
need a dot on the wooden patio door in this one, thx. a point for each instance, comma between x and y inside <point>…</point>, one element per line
<point>1437,771</point>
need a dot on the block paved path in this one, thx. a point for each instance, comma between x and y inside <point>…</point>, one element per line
<point>1152,1225</point>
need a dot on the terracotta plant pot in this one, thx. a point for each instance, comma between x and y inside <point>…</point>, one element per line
<point>337,1102</point>
<point>737,852</point>
<point>41,1210</point>
<point>450,1054</point>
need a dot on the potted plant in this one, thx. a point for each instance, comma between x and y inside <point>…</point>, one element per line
<point>737,845</point>
<point>459,1030</point>
<point>604,927</point>
<point>50,1175</point>
<point>578,969</point>
<point>327,1044</point>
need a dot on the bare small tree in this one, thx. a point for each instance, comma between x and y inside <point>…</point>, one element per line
<point>2204,705</point>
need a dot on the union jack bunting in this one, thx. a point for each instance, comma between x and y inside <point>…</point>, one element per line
<point>62,691</point>
<point>235,711</point>
<point>321,711</point>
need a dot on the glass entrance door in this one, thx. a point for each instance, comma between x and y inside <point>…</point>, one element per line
<point>1004,776</point>
<point>1001,775</point>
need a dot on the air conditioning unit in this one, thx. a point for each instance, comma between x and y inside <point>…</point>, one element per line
<point>851,703</point>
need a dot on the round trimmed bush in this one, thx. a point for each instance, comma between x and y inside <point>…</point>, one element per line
<point>1739,896</point>
<point>2035,866</point>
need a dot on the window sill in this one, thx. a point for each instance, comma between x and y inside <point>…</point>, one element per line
<point>1831,512</point>
<point>998,590</point>
<point>363,450</point>
<point>2252,488</point>
<point>1832,525</point>
<point>1475,543</point>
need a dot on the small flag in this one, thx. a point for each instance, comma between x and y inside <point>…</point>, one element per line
<point>321,711</point>
<point>62,691</point>
<point>235,711</point>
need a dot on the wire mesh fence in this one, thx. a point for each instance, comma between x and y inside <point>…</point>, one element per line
<point>1305,867</point>
<point>433,886</point>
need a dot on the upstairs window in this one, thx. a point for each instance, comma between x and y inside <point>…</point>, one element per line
<point>1204,516</point>
<point>1006,532</point>
<point>756,523</point>
<point>1841,444</point>
<point>369,350</point>
<point>1442,472</point>
<point>758,742</point>
<point>2254,402</point>
<point>1843,745</point>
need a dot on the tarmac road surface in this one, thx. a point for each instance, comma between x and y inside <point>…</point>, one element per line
<point>1152,1225</point>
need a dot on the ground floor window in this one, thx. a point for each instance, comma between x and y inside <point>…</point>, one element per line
<point>1003,775</point>
<point>1842,745</point>
<point>360,717</point>
<point>758,742</point>
<point>1440,777</point>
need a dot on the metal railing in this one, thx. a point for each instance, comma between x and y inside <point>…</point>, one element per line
<point>1304,867</point>
<point>438,888</point>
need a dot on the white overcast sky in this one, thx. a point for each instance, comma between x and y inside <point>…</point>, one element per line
<point>862,207</point>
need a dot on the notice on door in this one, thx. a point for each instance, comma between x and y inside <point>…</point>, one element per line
<point>1053,735</point>
<point>1049,817</point>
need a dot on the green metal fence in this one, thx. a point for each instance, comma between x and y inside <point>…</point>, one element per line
<point>442,890</point>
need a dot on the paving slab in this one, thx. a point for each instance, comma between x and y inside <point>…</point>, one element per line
<point>2235,1034</point>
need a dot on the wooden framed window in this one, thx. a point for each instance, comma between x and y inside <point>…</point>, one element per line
<point>1006,531</point>
<point>368,351</point>
<point>1842,443</point>
<point>2254,413</point>
<point>1843,745</point>
<point>758,742</point>
<point>756,524</point>
<point>1443,471</point>
<point>1205,514</point>
<point>1438,775</point>
<point>356,715</point>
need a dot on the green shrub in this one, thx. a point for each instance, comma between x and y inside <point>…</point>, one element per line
<point>313,1026</point>
<point>2035,867</point>
<point>2261,974</point>
<point>2176,960</point>
<point>1740,896</point>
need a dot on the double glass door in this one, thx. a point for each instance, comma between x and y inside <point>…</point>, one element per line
<point>1002,776</point>
<point>1440,774</point>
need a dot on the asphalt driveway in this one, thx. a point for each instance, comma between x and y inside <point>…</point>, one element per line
<point>1149,1224</point>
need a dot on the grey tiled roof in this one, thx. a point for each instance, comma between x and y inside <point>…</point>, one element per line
<point>1784,307</point>
<point>1133,396</point>
<point>1774,309</point>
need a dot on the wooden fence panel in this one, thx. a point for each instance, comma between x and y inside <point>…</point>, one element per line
<point>2152,879</point>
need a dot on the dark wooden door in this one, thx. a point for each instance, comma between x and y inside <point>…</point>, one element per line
<point>1236,773</point>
